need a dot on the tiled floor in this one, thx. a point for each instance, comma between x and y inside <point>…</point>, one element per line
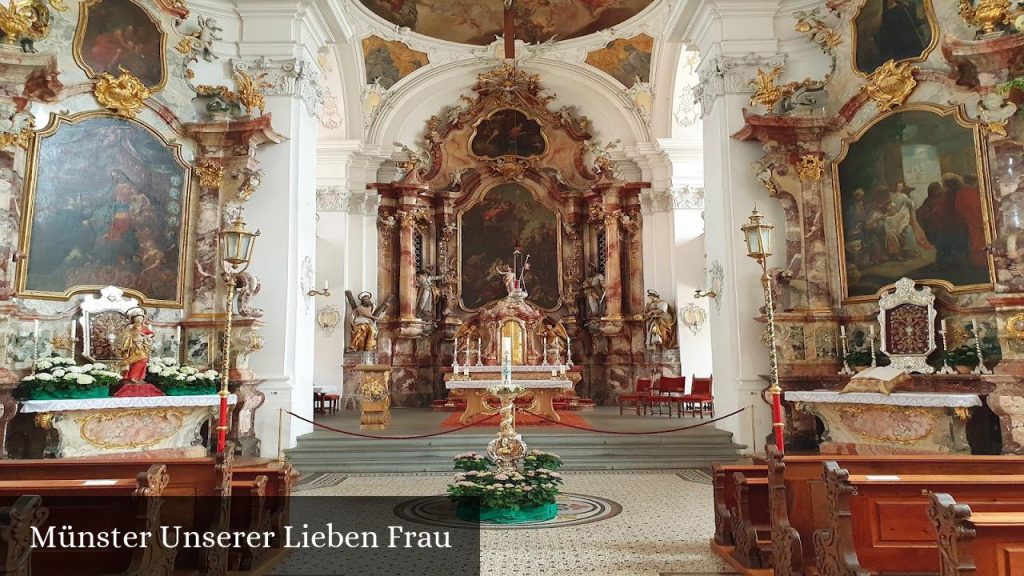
<point>663,529</point>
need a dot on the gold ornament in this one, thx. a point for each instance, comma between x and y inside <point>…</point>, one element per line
<point>1015,325</point>
<point>211,174</point>
<point>891,84</point>
<point>810,167</point>
<point>988,14</point>
<point>185,46</point>
<point>998,128</point>
<point>250,90</point>
<point>22,139</point>
<point>766,92</point>
<point>124,94</point>
<point>27,21</point>
<point>821,34</point>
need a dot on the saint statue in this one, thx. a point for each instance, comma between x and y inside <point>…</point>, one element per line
<point>364,322</point>
<point>136,345</point>
<point>594,291</point>
<point>426,293</point>
<point>659,321</point>
<point>508,277</point>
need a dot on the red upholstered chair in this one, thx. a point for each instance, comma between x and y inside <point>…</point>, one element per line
<point>639,398</point>
<point>671,390</point>
<point>332,403</point>
<point>700,397</point>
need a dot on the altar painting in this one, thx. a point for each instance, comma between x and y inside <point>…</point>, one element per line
<point>489,232</point>
<point>119,34</point>
<point>115,216</point>
<point>508,132</point>
<point>911,203</point>
<point>892,30</point>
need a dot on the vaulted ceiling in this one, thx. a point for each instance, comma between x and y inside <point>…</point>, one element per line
<point>480,21</point>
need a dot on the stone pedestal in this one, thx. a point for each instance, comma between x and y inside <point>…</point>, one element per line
<point>374,396</point>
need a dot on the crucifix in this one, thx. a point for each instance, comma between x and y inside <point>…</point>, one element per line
<point>509,31</point>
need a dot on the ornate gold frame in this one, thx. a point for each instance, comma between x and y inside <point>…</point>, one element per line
<point>481,194</point>
<point>981,159</point>
<point>933,23</point>
<point>488,116</point>
<point>28,212</point>
<point>83,21</point>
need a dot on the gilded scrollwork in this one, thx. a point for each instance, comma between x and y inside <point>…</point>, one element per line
<point>124,95</point>
<point>211,174</point>
<point>891,84</point>
<point>988,15</point>
<point>810,167</point>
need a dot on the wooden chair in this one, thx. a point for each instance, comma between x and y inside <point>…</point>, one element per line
<point>331,403</point>
<point>639,398</point>
<point>700,397</point>
<point>671,390</point>
<point>319,403</point>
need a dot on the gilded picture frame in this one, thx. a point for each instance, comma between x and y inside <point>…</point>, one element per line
<point>119,43</point>
<point>980,164</point>
<point>471,143</point>
<point>117,231</point>
<point>859,33</point>
<point>486,276</point>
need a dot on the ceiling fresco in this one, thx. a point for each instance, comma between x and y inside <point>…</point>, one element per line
<point>480,21</point>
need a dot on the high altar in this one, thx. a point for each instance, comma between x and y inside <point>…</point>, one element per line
<point>507,195</point>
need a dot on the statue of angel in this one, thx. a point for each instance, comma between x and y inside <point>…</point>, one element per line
<point>363,321</point>
<point>557,339</point>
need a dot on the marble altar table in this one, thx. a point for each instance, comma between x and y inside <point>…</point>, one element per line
<point>100,426</point>
<point>538,382</point>
<point>898,423</point>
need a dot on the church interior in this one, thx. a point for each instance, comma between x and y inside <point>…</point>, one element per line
<point>621,287</point>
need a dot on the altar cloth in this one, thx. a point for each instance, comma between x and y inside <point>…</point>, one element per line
<point>30,406</point>
<point>477,384</point>
<point>917,399</point>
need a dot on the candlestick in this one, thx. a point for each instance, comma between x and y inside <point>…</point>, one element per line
<point>545,360</point>
<point>946,369</point>
<point>35,339</point>
<point>479,353</point>
<point>980,368</point>
<point>846,352</point>
<point>455,355</point>
<point>568,350</point>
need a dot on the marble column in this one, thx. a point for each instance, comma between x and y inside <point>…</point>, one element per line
<point>611,199</point>
<point>407,264</point>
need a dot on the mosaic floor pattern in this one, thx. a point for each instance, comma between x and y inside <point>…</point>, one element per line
<point>663,527</point>
<point>573,510</point>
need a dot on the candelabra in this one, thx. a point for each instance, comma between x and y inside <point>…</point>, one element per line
<point>325,292</point>
<point>871,345</point>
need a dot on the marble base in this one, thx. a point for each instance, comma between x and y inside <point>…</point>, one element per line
<point>892,424</point>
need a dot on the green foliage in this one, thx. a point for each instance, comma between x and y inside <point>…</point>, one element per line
<point>963,356</point>
<point>858,357</point>
<point>59,375</point>
<point>165,372</point>
<point>1015,84</point>
<point>539,482</point>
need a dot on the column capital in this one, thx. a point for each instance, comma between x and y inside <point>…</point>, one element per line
<point>724,74</point>
<point>291,77</point>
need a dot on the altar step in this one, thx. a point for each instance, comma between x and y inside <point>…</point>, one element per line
<point>330,452</point>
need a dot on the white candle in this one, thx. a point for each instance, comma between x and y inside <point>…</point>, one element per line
<point>35,329</point>
<point>545,346</point>
<point>842,330</point>
<point>554,372</point>
<point>326,285</point>
<point>568,350</point>
<point>455,355</point>
<point>506,345</point>
<point>942,324</point>
<point>871,331</point>
<point>74,332</point>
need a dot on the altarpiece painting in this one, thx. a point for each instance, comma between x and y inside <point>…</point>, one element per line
<point>910,203</point>
<point>508,216</point>
<point>508,132</point>
<point>119,34</point>
<point>115,216</point>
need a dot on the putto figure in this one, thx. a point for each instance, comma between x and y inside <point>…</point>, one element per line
<point>136,346</point>
<point>363,321</point>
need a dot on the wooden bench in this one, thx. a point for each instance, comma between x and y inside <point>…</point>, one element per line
<point>249,513</point>
<point>751,524</point>
<point>198,495</point>
<point>976,543</point>
<point>725,496</point>
<point>89,505</point>
<point>879,523</point>
<point>799,502</point>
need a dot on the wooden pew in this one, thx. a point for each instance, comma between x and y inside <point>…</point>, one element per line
<point>725,496</point>
<point>249,513</point>
<point>195,484</point>
<point>799,502</point>
<point>751,524</point>
<point>976,543</point>
<point>129,504</point>
<point>879,523</point>
<point>16,522</point>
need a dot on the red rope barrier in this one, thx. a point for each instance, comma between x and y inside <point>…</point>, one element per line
<point>431,435</point>
<point>541,416</point>
<point>597,431</point>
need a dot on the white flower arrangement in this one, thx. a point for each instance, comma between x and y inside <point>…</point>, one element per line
<point>59,375</point>
<point>166,372</point>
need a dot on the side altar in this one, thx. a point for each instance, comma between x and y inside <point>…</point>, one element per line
<point>105,426</point>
